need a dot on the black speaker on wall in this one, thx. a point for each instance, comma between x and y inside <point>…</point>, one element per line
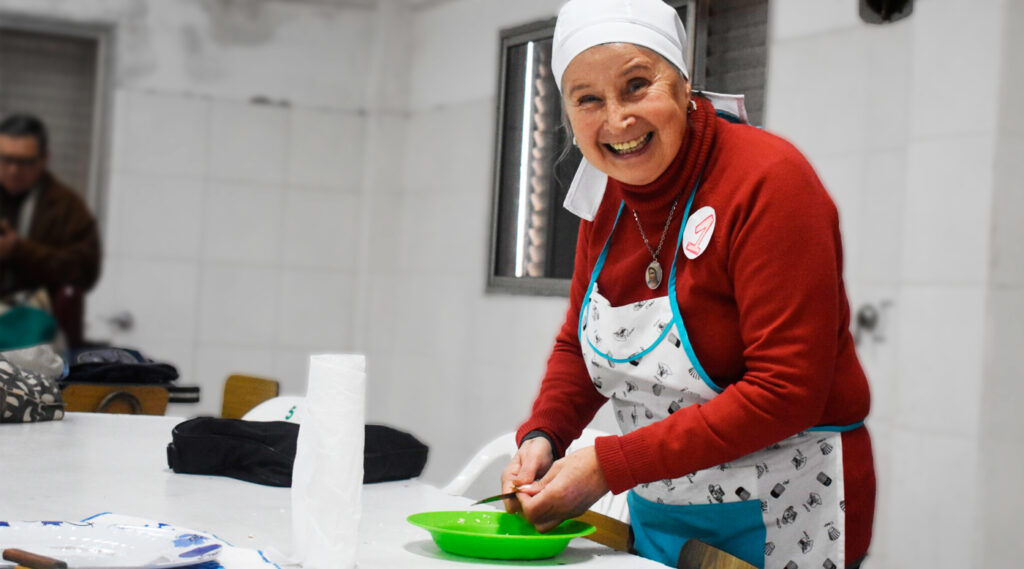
<point>885,11</point>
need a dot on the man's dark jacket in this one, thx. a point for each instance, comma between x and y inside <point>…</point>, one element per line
<point>63,245</point>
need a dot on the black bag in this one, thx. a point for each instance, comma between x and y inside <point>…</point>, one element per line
<point>264,451</point>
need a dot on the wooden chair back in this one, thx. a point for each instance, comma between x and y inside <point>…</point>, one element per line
<point>113,398</point>
<point>243,392</point>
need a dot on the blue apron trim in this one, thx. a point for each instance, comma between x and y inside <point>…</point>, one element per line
<point>661,530</point>
<point>683,336</point>
<point>597,271</point>
<point>634,356</point>
<point>598,266</point>
<point>604,252</point>
<point>586,305</point>
<point>838,428</point>
<point>590,289</point>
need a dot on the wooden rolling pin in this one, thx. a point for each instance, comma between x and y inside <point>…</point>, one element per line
<point>30,560</point>
<point>698,555</point>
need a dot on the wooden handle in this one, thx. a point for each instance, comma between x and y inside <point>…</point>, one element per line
<point>33,560</point>
<point>698,555</point>
<point>610,531</point>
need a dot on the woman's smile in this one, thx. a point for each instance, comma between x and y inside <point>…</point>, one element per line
<point>630,146</point>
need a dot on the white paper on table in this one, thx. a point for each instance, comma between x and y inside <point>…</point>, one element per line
<point>327,478</point>
<point>230,557</point>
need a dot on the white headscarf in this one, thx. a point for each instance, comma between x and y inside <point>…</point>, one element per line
<point>583,24</point>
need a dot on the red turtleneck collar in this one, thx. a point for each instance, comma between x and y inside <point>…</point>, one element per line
<point>681,174</point>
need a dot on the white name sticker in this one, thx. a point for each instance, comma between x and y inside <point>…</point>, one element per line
<point>697,233</point>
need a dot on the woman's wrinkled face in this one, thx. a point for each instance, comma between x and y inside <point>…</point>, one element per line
<point>627,107</point>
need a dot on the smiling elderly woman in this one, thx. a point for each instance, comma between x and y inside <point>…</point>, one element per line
<point>734,379</point>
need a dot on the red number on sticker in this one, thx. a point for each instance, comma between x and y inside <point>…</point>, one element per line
<point>701,231</point>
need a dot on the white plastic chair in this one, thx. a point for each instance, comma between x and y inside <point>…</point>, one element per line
<point>280,408</point>
<point>504,447</point>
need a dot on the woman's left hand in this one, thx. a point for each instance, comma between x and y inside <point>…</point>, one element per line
<point>568,489</point>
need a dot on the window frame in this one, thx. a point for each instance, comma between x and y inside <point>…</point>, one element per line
<point>538,286</point>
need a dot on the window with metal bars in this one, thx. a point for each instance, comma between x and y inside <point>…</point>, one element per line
<point>533,238</point>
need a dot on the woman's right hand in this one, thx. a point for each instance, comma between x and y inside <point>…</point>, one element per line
<point>531,462</point>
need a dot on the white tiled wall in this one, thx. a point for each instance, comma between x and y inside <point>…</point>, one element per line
<point>158,216</point>
<point>1002,447</point>
<point>948,208</point>
<point>320,229</point>
<point>999,536</point>
<point>455,63</point>
<point>829,116</point>
<point>314,311</point>
<point>801,18</point>
<point>934,503</point>
<point>439,341</point>
<point>880,229</point>
<point>248,143</point>
<point>1004,390</point>
<point>309,54</point>
<point>326,150</point>
<point>242,223</point>
<point>926,179</point>
<point>955,85</point>
<point>237,305</point>
<point>163,295</point>
<point>941,359</point>
<point>233,226</point>
<point>160,133</point>
<point>1011,116</point>
<point>1008,202</point>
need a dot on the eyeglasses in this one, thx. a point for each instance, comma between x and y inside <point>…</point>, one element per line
<point>20,161</point>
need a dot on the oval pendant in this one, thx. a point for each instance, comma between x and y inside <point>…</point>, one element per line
<point>653,275</point>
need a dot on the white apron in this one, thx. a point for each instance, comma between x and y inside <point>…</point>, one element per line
<point>777,508</point>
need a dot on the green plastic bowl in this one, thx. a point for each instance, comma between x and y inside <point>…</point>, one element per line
<point>496,535</point>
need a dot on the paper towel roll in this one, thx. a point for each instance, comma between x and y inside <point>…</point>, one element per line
<point>327,479</point>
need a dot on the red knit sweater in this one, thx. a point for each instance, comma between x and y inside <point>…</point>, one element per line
<point>764,305</point>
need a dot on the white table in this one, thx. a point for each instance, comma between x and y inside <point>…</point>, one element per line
<point>92,463</point>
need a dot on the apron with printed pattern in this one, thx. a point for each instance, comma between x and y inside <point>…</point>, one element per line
<point>778,508</point>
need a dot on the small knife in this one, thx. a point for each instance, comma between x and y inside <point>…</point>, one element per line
<point>494,498</point>
<point>505,496</point>
<point>610,531</point>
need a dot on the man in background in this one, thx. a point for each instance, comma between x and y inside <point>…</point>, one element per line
<point>48,237</point>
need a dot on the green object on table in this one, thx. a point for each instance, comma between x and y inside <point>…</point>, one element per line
<point>24,326</point>
<point>496,535</point>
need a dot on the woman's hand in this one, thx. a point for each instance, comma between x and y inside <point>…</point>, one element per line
<point>533,459</point>
<point>568,489</point>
